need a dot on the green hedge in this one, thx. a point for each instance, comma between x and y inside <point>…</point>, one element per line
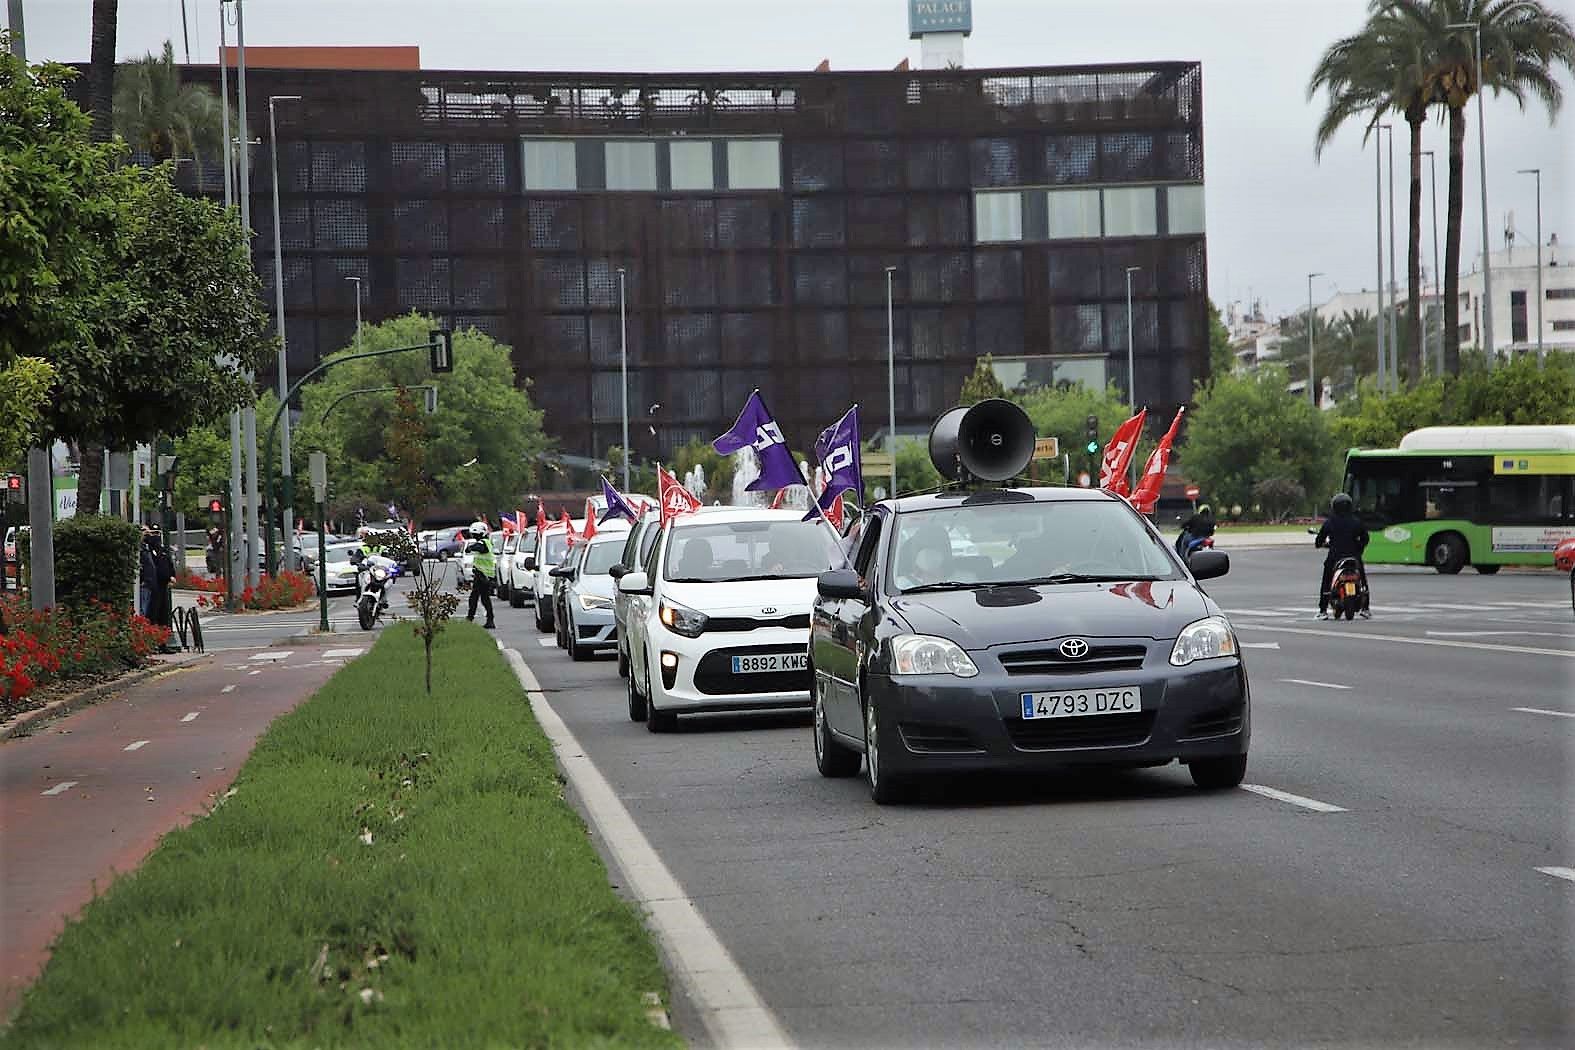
<point>95,557</point>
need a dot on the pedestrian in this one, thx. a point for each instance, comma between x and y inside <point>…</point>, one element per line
<point>1346,537</point>
<point>215,551</point>
<point>146,570</point>
<point>482,567</point>
<point>161,601</point>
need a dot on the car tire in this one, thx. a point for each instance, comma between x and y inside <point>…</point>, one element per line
<point>1447,553</point>
<point>636,702</point>
<point>516,599</point>
<point>1218,774</point>
<point>832,758</point>
<point>1486,570</point>
<point>543,621</point>
<point>1350,612</point>
<point>656,721</point>
<point>885,788</point>
<point>577,652</point>
<point>623,664</point>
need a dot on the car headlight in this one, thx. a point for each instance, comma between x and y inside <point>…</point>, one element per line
<point>1206,639</point>
<point>682,620</point>
<point>923,654</point>
<point>590,602</point>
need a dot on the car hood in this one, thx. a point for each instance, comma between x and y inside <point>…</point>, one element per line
<point>745,597</point>
<point>598,584</point>
<point>979,619</point>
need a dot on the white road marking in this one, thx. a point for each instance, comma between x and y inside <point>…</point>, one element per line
<point>1452,607</point>
<point>728,1004</point>
<point>1309,681</point>
<point>1343,635</point>
<point>1260,645</point>
<point>258,671</point>
<point>1533,605</point>
<point>1256,612</point>
<point>273,657</point>
<point>191,716</point>
<point>546,643</point>
<point>63,786</point>
<point>1544,711</point>
<point>137,745</point>
<point>342,654</point>
<point>228,689</point>
<point>1295,800</point>
<point>1488,634</point>
<point>1568,874</point>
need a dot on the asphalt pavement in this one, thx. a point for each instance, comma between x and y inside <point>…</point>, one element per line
<point>1397,869</point>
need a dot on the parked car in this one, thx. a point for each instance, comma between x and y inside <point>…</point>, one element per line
<point>552,546</point>
<point>442,544</point>
<point>500,573</point>
<point>636,549</point>
<point>725,624</point>
<point>522,582</point>
<point>341,571</point>
<point>585,614</point>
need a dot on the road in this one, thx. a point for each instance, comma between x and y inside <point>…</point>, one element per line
<point>1398,871</point>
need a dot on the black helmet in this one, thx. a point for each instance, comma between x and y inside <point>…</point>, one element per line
<point>1341,504</point>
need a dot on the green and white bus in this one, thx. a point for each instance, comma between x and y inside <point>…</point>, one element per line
<point>1455,496</point>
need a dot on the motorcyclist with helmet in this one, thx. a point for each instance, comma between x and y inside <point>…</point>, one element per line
<point>1345,536</point>
<point>483,565</point>
<point>1195,530</point>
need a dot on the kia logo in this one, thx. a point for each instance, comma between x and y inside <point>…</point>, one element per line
<point>1074,648</point>
<point>768,610</point>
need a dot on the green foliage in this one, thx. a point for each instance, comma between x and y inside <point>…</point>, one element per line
<point>982,384</point>
<point>1277,497</point>
<point>1221,360</point>
<point>482,415</point>
<point>24,388</point>
<point>915,472</point>
<point>718,469</point>
<point>1246,429</point>
<point>642,476</point>
<point>202,467</point>
<point>95,558</point>
<point>155,112</point>
<point>412,491</point>
<point>1061,412</point>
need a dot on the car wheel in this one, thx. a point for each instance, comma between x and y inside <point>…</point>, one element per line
<point>577,652</point>
<point>636,702</point>
<point>1447,553</point>
<point>656,721</point>
<point>623,664</point>
<point>516,599</point>
<point>543,621</point>
<point>885,788</point>
<point>1486,570</point>
<point>1350,611</point>
<point>833,759</point>
<point>1218,774</point>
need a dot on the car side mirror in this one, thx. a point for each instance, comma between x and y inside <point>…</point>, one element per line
<point>634,583</point>
<point>562,572</point>
<point>530,563</point>
<point>617,571</point>
<point>1208,565</point>
<point>840,583</point>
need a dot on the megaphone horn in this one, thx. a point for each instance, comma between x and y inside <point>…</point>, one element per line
<point>990,441</point>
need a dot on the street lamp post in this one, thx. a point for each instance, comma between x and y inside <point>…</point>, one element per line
<point>1312,374</point>
<point>1131,373</point>
<point>1438,278</point>
<point>623,367</point>
<point>1378,184</point>
<point>249,413</point>
<point>284,376</point>
<point>357,282</point>
<point>1487,263</point>
<point>1394,309</point>
<point>1538,173</point>
<point>891,380</point>
<point>236,540</point>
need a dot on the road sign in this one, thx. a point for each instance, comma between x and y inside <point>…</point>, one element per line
<point>1083,479</point>
<point>1047,448</point>
<point>876,464</point>
<point>319,472</point>
<point>1191,491</point>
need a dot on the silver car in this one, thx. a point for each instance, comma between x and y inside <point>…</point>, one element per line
<point>588,593</point>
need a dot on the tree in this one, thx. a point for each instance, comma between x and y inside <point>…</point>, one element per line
<point>1245,429</point>
<point>24,388</point>
<point>1221,359</point>
<point>718,468</point>
<point>1062,412</point>
<point>412,489</point>
<point>156,113</point>
<point>982,384</point>
<point>915,471</point>
<point>101,96</point>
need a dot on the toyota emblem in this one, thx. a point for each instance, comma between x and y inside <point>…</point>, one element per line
<point>768,610</point>
<point>1074,648</point>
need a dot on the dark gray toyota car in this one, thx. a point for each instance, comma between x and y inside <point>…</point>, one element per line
<point>1022,629</point>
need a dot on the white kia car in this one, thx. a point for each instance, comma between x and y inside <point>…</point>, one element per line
<point>725,621</point>
<point>520,581</point>
<point>587,604</point>
<point>552,547</point>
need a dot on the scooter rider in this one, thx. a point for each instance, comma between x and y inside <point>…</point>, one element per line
<point>482,567</point>
<point>1195,530</point>
<point>1346,537</point>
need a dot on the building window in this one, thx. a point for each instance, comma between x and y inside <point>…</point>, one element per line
<point>754,164</point>
<point>1131,212</point>
<point>631,165</point>
<point>1561,293</point>
<point>1564,326</point>
<point>1518,331</point>
<point>1073,213</point>
<point>1184,209</point>
<point>549,165</point>
<point>998,216</point>
<point>693,165</point>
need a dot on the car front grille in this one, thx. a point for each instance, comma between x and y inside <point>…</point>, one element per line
<point>1051,734</point>
<point>714,675</point>
<point>919,736</point>
<point>588,632</point>
<point>1050,661</point>
<point>747,623</point>
<point>1219,721</point>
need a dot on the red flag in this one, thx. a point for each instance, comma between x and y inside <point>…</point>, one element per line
<point>675,499</point>
<point>1118,454</point>
<point>835,514</point>
<point>590,521</point>
<point>1146,495</point>
<point>541,516</point>
<point>568,526</point>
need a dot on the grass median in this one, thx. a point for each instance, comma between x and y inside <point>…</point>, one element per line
<point>391,869</point>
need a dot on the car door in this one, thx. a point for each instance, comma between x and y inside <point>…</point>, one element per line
<point>639,614</point>
<point>846,626</point>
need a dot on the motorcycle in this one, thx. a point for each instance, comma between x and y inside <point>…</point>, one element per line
<point>1187,544</point>
<point>373,599</point>
<point>1347,592</point>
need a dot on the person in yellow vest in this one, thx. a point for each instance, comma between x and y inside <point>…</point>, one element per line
<point>483,565</point>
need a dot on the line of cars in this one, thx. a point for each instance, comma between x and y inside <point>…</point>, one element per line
<point>994,629</point>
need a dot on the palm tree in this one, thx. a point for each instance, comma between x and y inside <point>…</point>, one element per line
<point>101,93</point>
<point>155,112</point>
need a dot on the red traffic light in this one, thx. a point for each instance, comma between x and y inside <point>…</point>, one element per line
<point>13,482</point>
<point>215,506</point>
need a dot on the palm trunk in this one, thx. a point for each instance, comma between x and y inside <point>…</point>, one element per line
<point>101,94</point>
<point>1413,350</point>
<point>1457,142</point>
<point>90,477</point>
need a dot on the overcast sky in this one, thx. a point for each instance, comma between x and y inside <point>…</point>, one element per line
<point>1274,214</point>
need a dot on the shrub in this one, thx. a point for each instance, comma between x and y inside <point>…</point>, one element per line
<point>95,559</point>
<point>64,643</point>
<point>284,591</point>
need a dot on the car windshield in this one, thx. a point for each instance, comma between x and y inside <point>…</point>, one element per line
<point>603,555</point>
<point>779,549</point>
<point>1017,543</point>
<point>555,548</point>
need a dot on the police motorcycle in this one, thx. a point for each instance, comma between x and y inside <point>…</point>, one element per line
<point>374,575</point>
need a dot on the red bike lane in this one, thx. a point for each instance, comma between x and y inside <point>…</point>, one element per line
<point>89,795</point>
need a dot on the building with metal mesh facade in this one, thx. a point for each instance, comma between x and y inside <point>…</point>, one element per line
<point>754,216</point>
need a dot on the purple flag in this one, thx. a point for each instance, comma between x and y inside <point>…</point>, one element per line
<point>757,430</point>
<point>838,449</point>
<point>617,506</point>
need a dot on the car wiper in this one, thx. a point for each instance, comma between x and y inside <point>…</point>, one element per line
<point>766,576</point>
<point>944,585</point>
<point>1077,577</point>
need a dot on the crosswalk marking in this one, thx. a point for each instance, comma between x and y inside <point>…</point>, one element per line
<point>63,786</point>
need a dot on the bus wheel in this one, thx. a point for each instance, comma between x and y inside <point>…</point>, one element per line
<point>1447,553</point>
<point>1486,570</point>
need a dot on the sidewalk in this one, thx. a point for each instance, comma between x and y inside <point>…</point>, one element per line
<point>89,795</point>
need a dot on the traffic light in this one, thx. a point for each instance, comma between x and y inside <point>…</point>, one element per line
<point>442,351</point>
<point>15,488</point>
<point>1092,425</point>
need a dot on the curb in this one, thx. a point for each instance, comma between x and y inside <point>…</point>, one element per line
<point>67,704</point>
